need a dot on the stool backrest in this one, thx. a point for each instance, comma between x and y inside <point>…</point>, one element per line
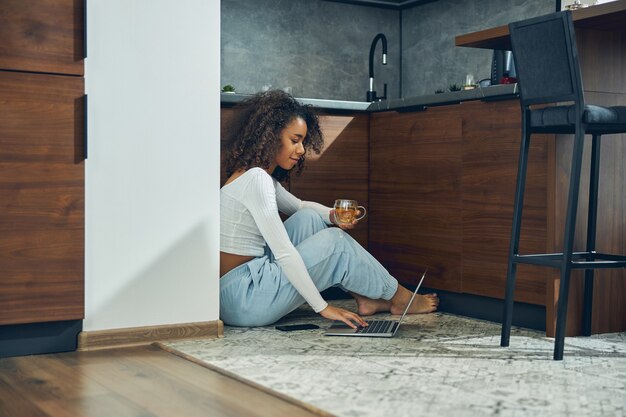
<point>546,59</point>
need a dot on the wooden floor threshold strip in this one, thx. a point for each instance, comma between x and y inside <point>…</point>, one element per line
<point>138,336</point>
<point>291,400</point>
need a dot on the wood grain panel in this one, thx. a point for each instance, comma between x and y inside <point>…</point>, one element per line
<point>601,41</point>
<point>609,314</point>
<point>36,105</point>
<point>415,194</point>
<point>41,198</point>
<point>341,170</point>
<point>133,382</point>
<point>492,38</point>
<point>116,338</point>
<point>608,17</point>
<point>56,202</point>
<point>490,159</point>
<point>602,59</point>
<point>42,36</point>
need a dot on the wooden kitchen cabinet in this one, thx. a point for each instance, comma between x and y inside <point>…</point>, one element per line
<point>42,36</point>
<point>41,175</point>
<point>415,195</point>
<point>601,46</point>
<point>441,196</point>
<point>491,141</point>
<point>439,187</point>
<point>42,198</point>
<point>340,171</point>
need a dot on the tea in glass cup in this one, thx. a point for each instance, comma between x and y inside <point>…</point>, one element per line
<point>347,211</point>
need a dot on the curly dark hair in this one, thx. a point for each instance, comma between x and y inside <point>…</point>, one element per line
<point>254,138</point>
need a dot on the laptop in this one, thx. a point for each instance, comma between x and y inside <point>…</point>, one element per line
<point>375,328</point>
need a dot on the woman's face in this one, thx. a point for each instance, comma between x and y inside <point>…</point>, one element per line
<point>292,148</point>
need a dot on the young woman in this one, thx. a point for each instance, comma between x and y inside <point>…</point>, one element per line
<point>268,268</point>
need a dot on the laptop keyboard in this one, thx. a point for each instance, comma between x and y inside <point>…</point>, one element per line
<point>377,326</point>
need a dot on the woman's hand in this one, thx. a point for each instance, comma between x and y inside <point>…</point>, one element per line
<point>348,317</point>
<point>343,226</point>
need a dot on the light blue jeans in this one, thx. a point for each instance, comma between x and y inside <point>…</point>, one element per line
<point>257,293</point>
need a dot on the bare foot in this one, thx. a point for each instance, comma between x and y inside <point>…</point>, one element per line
<point>421,304</point>
<point>367,306</point>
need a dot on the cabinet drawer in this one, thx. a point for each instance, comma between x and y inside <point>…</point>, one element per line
<point>41,198</point>
<point>42,36</point>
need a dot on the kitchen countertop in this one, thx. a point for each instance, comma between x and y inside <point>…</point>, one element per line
<point>491,93</point>
<point>603,17</point>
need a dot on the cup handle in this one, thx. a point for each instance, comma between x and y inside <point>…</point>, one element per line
<point>362,215</point>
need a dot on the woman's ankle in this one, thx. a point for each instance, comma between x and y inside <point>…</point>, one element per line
<point>421,304</point>
<point>367,306</point>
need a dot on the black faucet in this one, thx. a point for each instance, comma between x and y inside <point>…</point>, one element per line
<point>371,94</point>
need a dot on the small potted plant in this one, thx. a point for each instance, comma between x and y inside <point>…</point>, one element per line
<point>228,89</point>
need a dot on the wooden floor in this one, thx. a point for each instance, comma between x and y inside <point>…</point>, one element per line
<point>142,381</point>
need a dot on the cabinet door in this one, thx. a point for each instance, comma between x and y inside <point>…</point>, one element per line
<point>415,195</point>
<point>41,198</point>
<point>341,170</point>
<point>490,157</point>
<point>42,36</point>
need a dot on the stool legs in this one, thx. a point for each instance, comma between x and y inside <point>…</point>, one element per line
<point>566,263</point>
<point>507,318</point>
<point>591,231</point>
<point>568,242</point>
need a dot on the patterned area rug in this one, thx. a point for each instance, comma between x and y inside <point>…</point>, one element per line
<point>436,365</point>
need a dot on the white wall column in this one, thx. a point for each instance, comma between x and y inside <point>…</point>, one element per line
<point>152,175</point>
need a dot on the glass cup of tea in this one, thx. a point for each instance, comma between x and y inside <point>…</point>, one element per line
<point>347,211</point>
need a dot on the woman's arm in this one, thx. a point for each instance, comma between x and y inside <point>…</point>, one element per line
<point>261,202</point>
<point>288,203</point>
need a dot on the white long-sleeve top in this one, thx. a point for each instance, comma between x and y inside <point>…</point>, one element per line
<point>249,220</point>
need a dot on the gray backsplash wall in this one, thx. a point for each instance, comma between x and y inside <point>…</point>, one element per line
<point>319,48</point>
<point>431,61</point>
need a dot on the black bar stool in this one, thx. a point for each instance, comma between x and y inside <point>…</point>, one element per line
<point>546,60</point>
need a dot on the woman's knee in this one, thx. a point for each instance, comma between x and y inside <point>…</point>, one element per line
<point>306,213</point>
<point>335,238</point>
<point>335,234</point>
<point>305,216</point>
